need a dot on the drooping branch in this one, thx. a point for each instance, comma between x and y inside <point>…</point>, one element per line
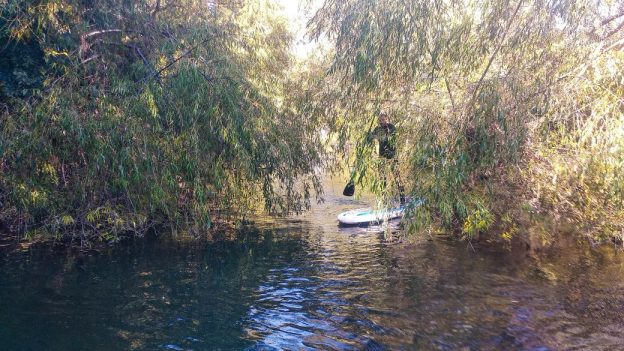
<point>174,61</point>
<point>487,68</point>
<point>85,46</point>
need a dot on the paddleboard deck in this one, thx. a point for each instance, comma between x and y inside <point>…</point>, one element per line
<point>369,216</point>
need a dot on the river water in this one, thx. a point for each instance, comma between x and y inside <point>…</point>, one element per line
<point>306,284</point>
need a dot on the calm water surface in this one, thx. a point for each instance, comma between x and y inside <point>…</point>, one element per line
<point>308,285</point>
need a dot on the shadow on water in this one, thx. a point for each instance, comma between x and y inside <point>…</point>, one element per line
<point>305,285</point>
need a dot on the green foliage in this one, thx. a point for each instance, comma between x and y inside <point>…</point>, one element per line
<point>477,222</point>
<point>510,102</point>
<point>151,113</point>
<point>119,115</point>
<point>580,166</point>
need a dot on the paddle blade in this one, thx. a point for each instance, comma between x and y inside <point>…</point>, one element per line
<point>349,190</point>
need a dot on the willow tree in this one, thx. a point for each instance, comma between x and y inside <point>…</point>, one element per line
<point>480,91</point>
<point>147,112</point>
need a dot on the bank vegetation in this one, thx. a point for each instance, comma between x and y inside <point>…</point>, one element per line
<point>120,116</point>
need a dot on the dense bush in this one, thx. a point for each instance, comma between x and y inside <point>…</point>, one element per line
<point>119,115</point>
<point>510,111</point>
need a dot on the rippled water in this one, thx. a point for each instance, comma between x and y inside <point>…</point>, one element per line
<point>310,285</point>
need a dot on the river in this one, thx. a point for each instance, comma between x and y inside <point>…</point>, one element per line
<point>305,284</point>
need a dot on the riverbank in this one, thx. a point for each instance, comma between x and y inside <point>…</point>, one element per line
<point>532,235</point>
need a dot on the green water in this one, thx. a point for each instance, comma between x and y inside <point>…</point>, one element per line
<point>309,285</point>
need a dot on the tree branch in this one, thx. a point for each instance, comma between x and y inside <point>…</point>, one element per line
<point>612,18</point>
<point>617,29</point>
<point>448,89</point>
<point>487,68</point>
<point>98,32</point>
<point>174,61</point>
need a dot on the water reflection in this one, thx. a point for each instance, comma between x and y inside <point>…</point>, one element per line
<point>309,285</point>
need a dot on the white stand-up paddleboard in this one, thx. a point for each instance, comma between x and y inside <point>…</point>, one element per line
<point>364,216</point>
<point>368,215</point>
